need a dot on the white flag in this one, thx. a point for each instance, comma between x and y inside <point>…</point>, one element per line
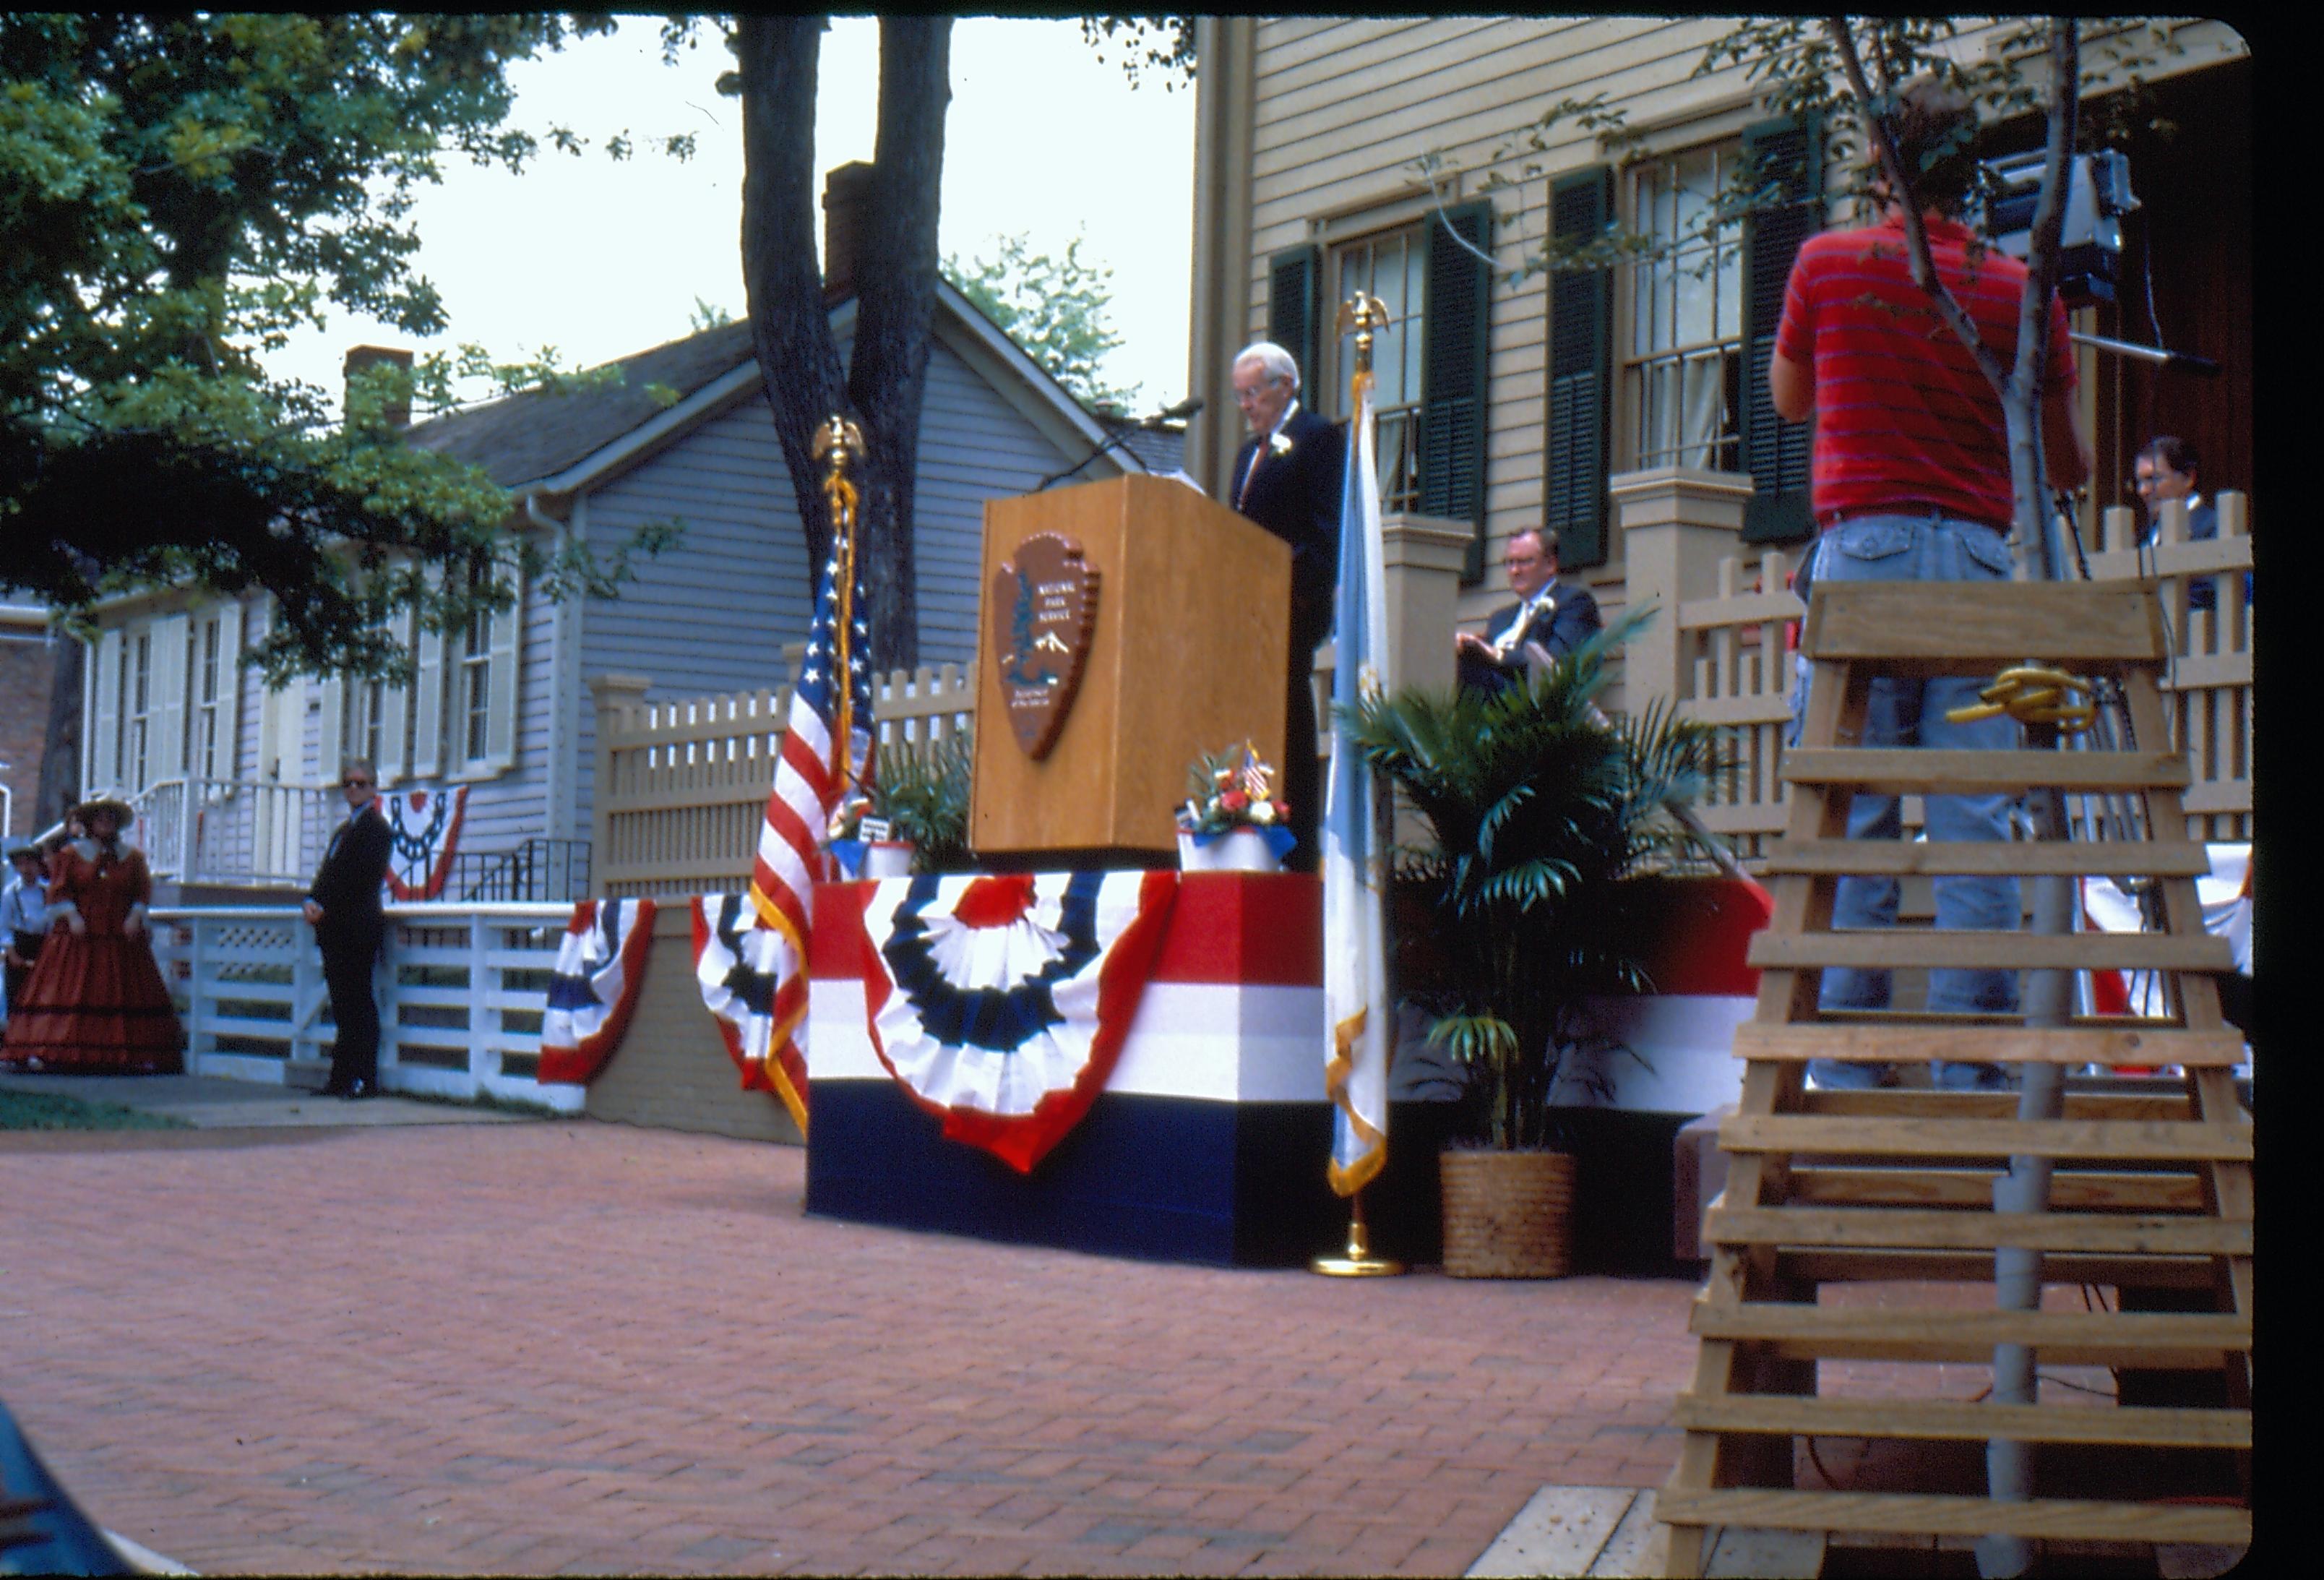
<point>1356,1016</point>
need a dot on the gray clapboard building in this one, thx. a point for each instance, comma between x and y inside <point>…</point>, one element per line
<point>232,779</point>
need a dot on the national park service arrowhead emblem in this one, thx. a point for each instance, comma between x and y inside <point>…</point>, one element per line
<point>1043,613</point>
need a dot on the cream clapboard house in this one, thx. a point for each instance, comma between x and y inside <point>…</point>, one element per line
<point>231,780</point>
<point>1569,399</point>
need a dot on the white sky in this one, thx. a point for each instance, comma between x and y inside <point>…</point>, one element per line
<point>600,259</point>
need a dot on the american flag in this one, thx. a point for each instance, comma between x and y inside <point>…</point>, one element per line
<point>1253,778</point>
<point>810,775</point>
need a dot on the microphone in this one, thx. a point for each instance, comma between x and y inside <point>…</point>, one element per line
<point>1185,408</point>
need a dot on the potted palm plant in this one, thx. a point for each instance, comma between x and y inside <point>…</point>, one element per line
<point>918,805</point>
<point>1537,809</point>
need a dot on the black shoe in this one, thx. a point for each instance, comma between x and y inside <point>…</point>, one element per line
<point>358,1088</point>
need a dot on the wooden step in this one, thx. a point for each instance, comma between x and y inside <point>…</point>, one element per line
<point>1936,1103</point>
<point>1916,771</point>
<point>2174,858</point>
<point>1953,1419</point>
<point>1894,949</point>
<point>2064,1270</point>
<point>2070,1190</point>
<point>2098,1140</point>
<point>1909,1044</point>
<point>1968,1231</point>
<point>1927,628</point>
<point>2162,1341</point>
<point>1936,1514</point>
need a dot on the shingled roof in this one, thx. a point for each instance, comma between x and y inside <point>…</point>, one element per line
<point>524,438</point>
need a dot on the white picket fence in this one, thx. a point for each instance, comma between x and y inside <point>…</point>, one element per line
<point>461,990</point>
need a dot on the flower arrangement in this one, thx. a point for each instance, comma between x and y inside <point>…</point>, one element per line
<point>1232,791</point>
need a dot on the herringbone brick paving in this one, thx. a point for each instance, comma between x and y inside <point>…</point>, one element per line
<point>587,1348</point>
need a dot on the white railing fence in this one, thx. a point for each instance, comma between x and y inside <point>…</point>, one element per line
<point>198,830</point>
<point>461,989</point>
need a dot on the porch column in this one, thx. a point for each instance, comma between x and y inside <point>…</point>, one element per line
<point>613,696</point>
<point>1677,523</point>
<point>1424,555</point>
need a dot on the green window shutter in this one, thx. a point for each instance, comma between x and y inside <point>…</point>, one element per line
<point>1787,155</point>
<point>1453,357</point>
<point>1293,279</point>
<point>1581,345</point>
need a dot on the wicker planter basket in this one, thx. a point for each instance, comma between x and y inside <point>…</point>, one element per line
<point>1507,1215</point>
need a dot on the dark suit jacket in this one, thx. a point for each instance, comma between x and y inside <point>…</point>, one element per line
<point>348,884</point>
<point>1297,497</point>
<point>1564,622</point>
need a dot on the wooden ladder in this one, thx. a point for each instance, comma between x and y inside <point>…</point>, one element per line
<point>1886,1195</point>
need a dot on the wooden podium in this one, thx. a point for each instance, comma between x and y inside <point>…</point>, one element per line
<point>1184,650</point>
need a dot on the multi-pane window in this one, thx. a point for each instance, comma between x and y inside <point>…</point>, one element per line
<point>1394,268</point>
<point>137,709</point>
<point>1683,367</point>
<point>474,689</point>
<point>360,733</point>
<point>208,680</point>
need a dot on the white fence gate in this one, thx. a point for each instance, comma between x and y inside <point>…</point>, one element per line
<point>462,989</point>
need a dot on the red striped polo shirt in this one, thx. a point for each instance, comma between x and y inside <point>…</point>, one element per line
<point>1903,417</point>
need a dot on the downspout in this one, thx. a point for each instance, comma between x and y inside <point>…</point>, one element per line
<point>557,765</point>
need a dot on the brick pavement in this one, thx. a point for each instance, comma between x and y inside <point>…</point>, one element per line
<point>587,1348</point>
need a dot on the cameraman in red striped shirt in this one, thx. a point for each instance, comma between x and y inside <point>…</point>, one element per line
<point>1911,483</point>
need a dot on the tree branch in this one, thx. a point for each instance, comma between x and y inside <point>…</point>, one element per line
<point>1906,193</point>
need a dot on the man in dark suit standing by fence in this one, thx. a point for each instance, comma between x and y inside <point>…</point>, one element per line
<point>345,908</point>
<point>1287,478</point>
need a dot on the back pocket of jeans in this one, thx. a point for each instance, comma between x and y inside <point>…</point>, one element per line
<point>1988,549</point>
<point>1873,540</point>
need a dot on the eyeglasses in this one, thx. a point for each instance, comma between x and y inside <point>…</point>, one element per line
<point>355,784</point>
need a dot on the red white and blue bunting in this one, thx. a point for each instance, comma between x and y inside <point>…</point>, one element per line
<point>737,962</point>
<point>425,829</point>
<point>999,1004</point>
<point>600,966</point>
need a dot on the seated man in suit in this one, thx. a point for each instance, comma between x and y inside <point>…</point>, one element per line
<point>1287,479</point>
<point>2168,468</point>
<point>1556,616</point>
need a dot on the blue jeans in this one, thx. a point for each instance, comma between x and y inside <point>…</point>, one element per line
<point>1911,712</point>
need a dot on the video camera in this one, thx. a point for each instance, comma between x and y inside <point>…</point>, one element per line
<point>2090,240</point>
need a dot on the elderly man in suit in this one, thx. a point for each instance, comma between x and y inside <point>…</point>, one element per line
<point>345,908</point>
<point>1287,478</point>
<point>1556,616</point>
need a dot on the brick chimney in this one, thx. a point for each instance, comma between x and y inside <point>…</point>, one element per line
<point>398,413</point>
<point>846,199</point>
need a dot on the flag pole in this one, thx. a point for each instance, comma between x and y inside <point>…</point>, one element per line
<point>1369,313</point>
<point>842,441</point>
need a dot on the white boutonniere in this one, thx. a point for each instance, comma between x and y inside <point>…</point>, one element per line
<point>1280,443</point>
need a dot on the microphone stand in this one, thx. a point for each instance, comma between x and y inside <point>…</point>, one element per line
<point>2161,355</point>
<point>1183,408</point>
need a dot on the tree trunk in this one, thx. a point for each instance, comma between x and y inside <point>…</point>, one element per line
<point>59,785</point>
<point>895,307</point>
<point>790,324</point>
<point>896,288</point>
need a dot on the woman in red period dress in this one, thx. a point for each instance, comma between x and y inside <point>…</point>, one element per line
<point>96,1002</point>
